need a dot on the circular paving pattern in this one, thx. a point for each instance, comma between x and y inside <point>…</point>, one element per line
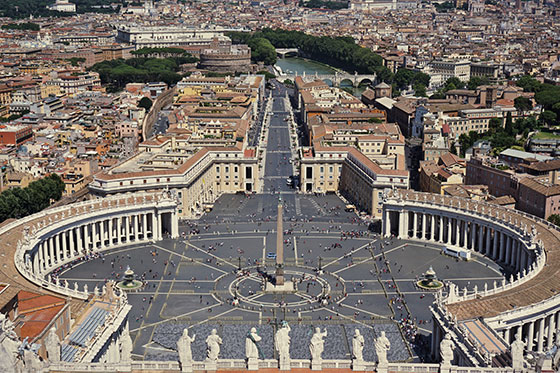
<point>306,289</point>
<point>192,282</point>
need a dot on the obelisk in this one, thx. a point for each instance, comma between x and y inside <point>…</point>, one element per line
<point>279,247</point>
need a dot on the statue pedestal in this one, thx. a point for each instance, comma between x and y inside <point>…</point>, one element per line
<point>358,365</point>
<point>285,364</point>
<point>383,368</point>
<point>445,368</point>
<point>252,364</point>
<point>211,365</point>
<point>186,367</point>
<point>316,364</point>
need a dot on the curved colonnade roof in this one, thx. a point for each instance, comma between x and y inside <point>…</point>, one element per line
<point>544,285</point>
<point>9,239</point>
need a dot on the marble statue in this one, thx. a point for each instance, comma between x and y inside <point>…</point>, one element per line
<point>184,349</point>
<point>126,346</point>
<point>382,346</point>
<point>317,344</point>
<point>517,348</point>
<point>7,327</point>
<point>282,342</point>
<point>52,345</point>
<point>446,350</point>
<point>213,342</point>
<point>358,345</point>
<point>251,348</point>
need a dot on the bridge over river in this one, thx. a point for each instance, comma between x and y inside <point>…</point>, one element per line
<point>335,79</point>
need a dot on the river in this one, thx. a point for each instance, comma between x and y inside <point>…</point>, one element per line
<point>299,65</point>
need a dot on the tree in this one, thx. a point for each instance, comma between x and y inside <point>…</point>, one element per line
<point>477,81</point>
<point>523,104</point>
<point>420,90</point>
<point>548,117</point>
<point>509,125</point>
<point>554,219</point>
<point>262,51</point>
<point>453,149</point>
<point>494,125</point>
<point>145,103</point>
<point>18,202</point>
<point>548,96</point>
<point>453,83</point>
<point>528,83</point>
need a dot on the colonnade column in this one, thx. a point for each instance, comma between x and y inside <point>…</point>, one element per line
<point>551,330</point>
<point>41,256</point>
<point>540,338</point>
<point>449,230</point>
<point>145,227</point>
<point>481,242</point>
<point>440,220</point>
<point>387,224</point>
<point>63,236</point>
<point>432,227</point>
<point>127,228</point>
<point>465,234</point>
<point>50,257</point>
<point>94,234</point>
<point>135,225</point>
<point>457,232</point>
<point>80,246</point>
<point>474,231</point>
<point>72,243</point>
<point>415,226</point>
<point>487,248</point>
<point>530,336</point>
<point>119,230</point>
<point>502,252</point>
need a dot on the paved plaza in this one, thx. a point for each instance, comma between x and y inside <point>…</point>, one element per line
<point>345,275</point>
<point>370,281</point>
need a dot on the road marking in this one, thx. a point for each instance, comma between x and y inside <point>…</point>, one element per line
<point>350,253</point>
<point>213,256</point>
<point>361,310</point>
<point>144,326</point>
<point>191,259</point>
<point>295,250</point>
<point>264,250</point>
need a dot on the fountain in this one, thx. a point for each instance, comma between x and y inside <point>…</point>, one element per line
<point>129,283</point>
<point>430,281</point>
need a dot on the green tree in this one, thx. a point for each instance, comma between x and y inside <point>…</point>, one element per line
<point>145,103</point>
<point>453,148</point>
<point>548,117</point>
<point>267,74</point>
<point>477,81</point>
<point>509,124</point>
<point>453,83</point>
<point>494,125</point>
<point>548,96</point>
<point>523,104</point>
<point>554,219</point>
<point>262,51</point>
<point>528,83</point>
<point>420,90</point>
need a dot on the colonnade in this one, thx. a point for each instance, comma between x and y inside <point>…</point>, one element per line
<point>460,231</point>
<point>98,233</point>
<point>539,333</point>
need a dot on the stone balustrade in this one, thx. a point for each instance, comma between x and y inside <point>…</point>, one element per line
<point>524,244</point>
<point>56,237</point>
